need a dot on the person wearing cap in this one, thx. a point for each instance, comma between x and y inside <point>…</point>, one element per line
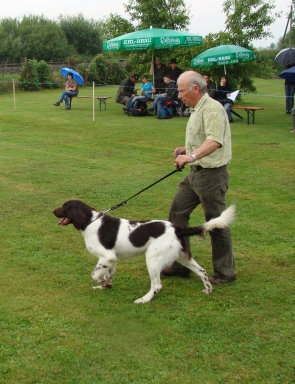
<point>158,71</point>
<point>126,90</point>
<point>174,70</point>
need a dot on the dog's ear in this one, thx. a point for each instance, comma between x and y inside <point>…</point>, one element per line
<point>77,214</point>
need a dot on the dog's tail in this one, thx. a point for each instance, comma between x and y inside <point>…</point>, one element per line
<point>223,221</point>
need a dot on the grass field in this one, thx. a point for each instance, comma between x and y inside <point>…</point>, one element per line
<point>56,329</point>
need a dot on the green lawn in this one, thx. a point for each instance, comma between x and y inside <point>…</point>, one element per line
<point>56,329</point>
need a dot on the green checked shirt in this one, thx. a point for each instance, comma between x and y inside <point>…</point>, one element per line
<point>209,120</point>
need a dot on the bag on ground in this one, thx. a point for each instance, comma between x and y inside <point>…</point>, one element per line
<point>139,109</point>
<point>166,112</point>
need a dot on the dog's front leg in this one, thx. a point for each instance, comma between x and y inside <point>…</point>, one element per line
<point>104,271</point>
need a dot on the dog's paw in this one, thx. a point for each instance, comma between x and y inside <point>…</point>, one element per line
<point>104,284</point>
<point>98,287</point>
<point>140,301</point>
<point>208,291</point>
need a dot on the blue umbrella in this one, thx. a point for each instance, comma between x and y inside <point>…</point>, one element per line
<point>288,74</point>
<point>76,75</point>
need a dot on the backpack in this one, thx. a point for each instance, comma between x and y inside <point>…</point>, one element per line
<point>139,109</point>
<point>166,112</point>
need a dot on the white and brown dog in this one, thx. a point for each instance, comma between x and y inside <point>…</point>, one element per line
<point>110,238</point>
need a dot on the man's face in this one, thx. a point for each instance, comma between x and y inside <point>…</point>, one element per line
<point>207,78</point>
<point>173,65</point>
<point>133,79</point>
<point>189,97</point>
<point>158,60</point>
<point>166,79</point>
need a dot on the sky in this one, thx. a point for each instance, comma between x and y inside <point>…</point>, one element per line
<point>206,16</point>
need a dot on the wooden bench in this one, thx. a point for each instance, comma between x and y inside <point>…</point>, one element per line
<point>249,110</point>
<point>101,99</point>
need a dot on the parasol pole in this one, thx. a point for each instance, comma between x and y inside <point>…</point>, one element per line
<point>13,90</point>
<point>151,27</point>
<point>93,107</point>
<point>224,69</point>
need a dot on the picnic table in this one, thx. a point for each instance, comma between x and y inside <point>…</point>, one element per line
<point>249,110</point>
<point>102,100</point>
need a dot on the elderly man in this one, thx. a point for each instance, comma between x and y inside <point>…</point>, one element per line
<point>126,90</point>
<point>207,151</point>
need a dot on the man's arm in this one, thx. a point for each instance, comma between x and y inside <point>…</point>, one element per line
<point>208,147</point>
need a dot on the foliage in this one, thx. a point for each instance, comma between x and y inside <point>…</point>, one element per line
<point>82,34</point>
<point>29,79</point>
<point>169,14</point>
<point>114,25</point>
<point>248,20</point>
<point>102,71</point>
<point>266,66</point>
<point>43,39</point>
<point>56,329</point>
<point>10,41</point>
<point>36,75</point>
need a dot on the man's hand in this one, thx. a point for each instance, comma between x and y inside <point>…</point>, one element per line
<point>181,160</point>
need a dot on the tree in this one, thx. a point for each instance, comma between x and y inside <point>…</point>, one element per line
<point>82,34</point>
<point>43,39</point>
<point>113,26</point>
<point>248,20</point>
<point>10,41</point>
<point>170,14</point>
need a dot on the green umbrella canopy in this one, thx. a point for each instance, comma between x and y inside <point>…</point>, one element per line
<point>223,55</point>
<point>154,38</point>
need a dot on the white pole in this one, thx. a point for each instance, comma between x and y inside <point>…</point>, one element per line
<point>93,106</point>
<point>13,90</point>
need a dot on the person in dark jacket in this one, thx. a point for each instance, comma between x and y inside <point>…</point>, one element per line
<point>158,70</point>
<point>289,92</point>
<point>174,71</point>
<point>126,90</point>
<point>223,91</point>
<point>170,94</point>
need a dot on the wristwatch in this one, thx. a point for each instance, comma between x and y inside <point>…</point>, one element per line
<point>193,156</point>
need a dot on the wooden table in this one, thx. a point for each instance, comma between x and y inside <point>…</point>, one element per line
<point>249,110</point>
<point>101,99</point>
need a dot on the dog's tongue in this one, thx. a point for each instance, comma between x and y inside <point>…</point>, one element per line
<point>63,221</point>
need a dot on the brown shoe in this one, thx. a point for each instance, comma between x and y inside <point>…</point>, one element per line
<point>176,270</point>
<point>218,278</point>
<point>57,104</point>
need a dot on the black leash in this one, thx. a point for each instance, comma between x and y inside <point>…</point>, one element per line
<point>178,169</point>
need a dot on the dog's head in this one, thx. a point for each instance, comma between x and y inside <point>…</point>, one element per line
<point>74,212</point>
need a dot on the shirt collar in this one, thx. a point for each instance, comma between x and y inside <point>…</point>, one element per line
<point>200,102</point>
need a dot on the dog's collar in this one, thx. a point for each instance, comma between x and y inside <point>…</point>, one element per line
<point>98,216</point>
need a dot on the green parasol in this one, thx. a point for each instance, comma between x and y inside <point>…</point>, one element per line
<point>154,38</point>
<point>223,55</point>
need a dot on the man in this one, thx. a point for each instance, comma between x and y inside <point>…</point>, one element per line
<point>211,86</point>
<point>207,151</point>
<point>126,90</point>
<point>170,94</point>
<point>158,70</point>
<point>174,70</point>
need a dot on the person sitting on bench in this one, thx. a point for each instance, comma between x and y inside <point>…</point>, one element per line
<point>170,94</point>
<point>223,91</point>
<point>147,90</point>
<point>71,90</point>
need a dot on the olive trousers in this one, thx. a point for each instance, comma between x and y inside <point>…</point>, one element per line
<point>206,186</point>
